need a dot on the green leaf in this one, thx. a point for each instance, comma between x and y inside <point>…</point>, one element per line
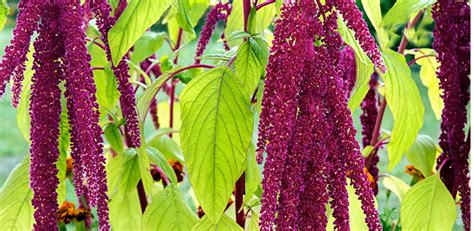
<point>64,144</point>
<point>235,22</point>
<point>238,35</point>
<point>225,224</point>
<point>148,44</point>
<point>374,13</point>
<point>167,146</point>
<point>123,172</point>
<point>401,12</point>
<point>4,10</point>
<point>168,211</point>
<point>428,206</point>
<point>396,185</point>
<point>16,212</point>
<point>250,63</point>
<point>364,66</point>
<point>112,134</point>
<point>144,101</point>
<point>251,23</point>
<point>422,154</point>
<point>215,134</point>
<point>183,17</point>
<point>134,21</point>
<point>107,93</point>
<point>367,150</point>
<point>157,158</point>
<point>265,17</point>
<point>252,174</point>
<point>428,67</point>
<point>404,102</point>
<point>253,224</point>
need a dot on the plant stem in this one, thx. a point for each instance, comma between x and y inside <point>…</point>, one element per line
<point>142,195</point>
<point>173,83</point>
<point>268,2</point>
<point>240,184</point>
<point>239,201</point>
<point>247,5</point>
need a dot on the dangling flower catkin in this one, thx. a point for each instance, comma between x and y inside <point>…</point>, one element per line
<point>13,63</point>
<point>45,111</point>
<point>83,110</point>
<point>452,44</point>
<point>306,126</point>
<point>217,13</point>
<point>127,97</point>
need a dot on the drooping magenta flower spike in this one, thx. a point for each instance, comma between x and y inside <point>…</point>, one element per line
<point>45,110</point>
<point>13,63</point>
<point>279,106</point>
<point>83,111</point>
<point>105,22</point>
<point>218,13</point>
<point>306,126</point>
<point>353,17</point>
<point>452,44</point>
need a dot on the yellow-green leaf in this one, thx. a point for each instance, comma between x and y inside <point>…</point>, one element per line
<point>225,224</point>
<point>123,173</point>
<point>404,102</point>
<point>250,62</point>
<point>235,22</point>
<point>215,134</point>
<point>396,185</point>
<point>182,16</point>
<point>422,154</point>
<point>428,67</point>
<point>364,66</point>
<point>374,13</point>
<point>16,212</point>
<point>428,206</point>
<point>402,10</point>
<point>4,10</point>
<point>134,21</point>
<point>168,211</point>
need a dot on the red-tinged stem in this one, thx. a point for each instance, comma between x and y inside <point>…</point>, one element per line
<point>94,41</point>
<point>184,69</point>
<point>266,3</point>
<point>142,195</point>
<point>173,83</point>
<point>247,5</point>
<point>240,185</point>
<point>414,60</point>
<point>98,68</point>
<point>239,201</point>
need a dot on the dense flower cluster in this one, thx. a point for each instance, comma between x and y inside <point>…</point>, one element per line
<point>105,22</point>
<point>60,56</point>
<point>13,62</point>
<point>217,13</point>
<point>452,44</point>
<point>353,17</point>
<point>348,62</point>
<point>306,127</point>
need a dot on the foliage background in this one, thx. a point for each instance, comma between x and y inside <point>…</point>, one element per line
<point>13,147</point>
